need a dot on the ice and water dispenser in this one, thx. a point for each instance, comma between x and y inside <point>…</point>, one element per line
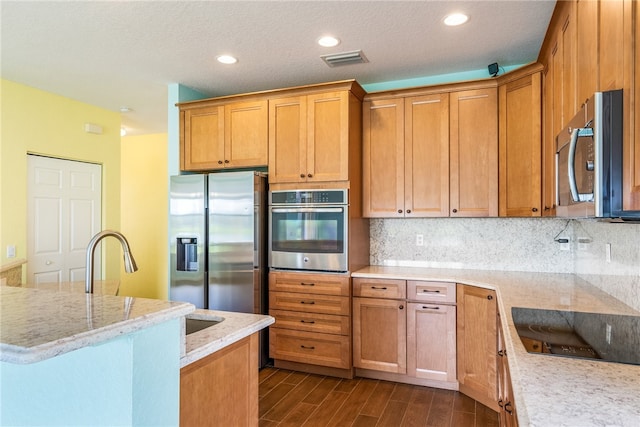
<point>187,256</point>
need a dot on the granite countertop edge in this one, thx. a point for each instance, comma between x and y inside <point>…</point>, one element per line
<point>234,327</point>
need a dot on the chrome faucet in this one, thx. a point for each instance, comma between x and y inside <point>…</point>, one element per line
<point>129,263</point>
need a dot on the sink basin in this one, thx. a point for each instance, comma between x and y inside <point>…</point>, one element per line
<point>195,325</point>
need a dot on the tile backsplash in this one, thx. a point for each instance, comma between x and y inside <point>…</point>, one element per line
<point>519,244</point>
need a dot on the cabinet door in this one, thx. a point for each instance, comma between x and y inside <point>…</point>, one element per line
<point>431,341</point>
<point>246,125</point>
<point>631,167</point>
<point>520,142</point>
<point>379,335</point>
<point>426,156</point>
<point>328,137</point>
<point>477,344</point>
<point>474,153</point>
<point>508,417</point>
<point>203,135</point>
<point>287,139</point>
<point>383,158</point>
<point>222,388</point>
<point>586,23</point>
<point>548,145</point>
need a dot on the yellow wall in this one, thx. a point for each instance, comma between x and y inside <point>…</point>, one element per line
<point>144,216</point>
<point>33,121</point>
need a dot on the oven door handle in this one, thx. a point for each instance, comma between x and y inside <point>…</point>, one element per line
<point>307,210</point>
<point>571,164</point>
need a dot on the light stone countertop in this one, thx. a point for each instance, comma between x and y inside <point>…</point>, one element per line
<point>100,287</point>
<point>233,327</point>
<point>549,390</point>
<point>38,324</point>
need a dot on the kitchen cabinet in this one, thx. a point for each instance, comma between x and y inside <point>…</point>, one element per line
<point>379,324</point>
<point>507,414</point>
<point>593,46</point>
<point>222,388</point>
<point>474,153</point>
<point>218,136</point>
<point>406,156</point>
<point>431,152</point>
<point>314,137</point>
<point>520,142</point>
<point>312,329</point>
<point>405,331</point>
<point>478,344</point>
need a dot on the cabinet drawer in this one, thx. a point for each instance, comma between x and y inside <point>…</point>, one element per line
<point>312,322</point>
<point>323,284</point>
<point>436,292</point>
<point>325,304</point>
<point>379,288</point>
<point>310,347</point>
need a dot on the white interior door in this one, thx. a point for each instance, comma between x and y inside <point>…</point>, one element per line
<point>64,209</point>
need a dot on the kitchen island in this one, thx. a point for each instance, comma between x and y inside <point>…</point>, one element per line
<point>548,390</point>
<point>70,358</point>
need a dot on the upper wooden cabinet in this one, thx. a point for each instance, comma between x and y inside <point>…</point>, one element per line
<point>312,136</point>
<point>474,153</point>
<point>223,136</point>
<point>593,46</point>
<point>520,140</point>
<point>432,153</point>
<point>406,156</point>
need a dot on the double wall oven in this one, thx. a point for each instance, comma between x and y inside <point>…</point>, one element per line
<point>308,230</point>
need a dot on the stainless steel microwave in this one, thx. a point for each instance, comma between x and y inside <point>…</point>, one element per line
<point>589,161</point>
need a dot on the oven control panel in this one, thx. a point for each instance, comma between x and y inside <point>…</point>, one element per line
<point>308,197</point>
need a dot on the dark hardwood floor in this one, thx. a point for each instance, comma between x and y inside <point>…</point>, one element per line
<point>290,398</point>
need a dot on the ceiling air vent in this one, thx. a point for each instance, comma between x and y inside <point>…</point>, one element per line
<point>344,58</point>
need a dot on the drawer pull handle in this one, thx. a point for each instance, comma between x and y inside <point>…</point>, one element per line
<point>379,288</point>
<point>307,284</point>
<point>307,302</point>
<point>307,321</point>
<point>501,353</point>
<point>430,291</point>
<point>500,403</point>
<point>312,347</point>
<point>430,308</point>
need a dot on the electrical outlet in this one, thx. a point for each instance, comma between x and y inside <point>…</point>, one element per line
<point>583,243</point>
<point>565,246</point>
<point>419,240</point>
<point>11,251</point>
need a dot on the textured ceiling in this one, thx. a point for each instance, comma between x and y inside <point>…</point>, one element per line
<point>125,53</point>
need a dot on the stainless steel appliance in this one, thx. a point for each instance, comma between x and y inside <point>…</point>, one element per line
<point>589,161</point>
<point>217,234</point>
<point>308,230</point>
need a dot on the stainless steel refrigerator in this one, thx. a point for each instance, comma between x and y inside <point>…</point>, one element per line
<point>217,241</point>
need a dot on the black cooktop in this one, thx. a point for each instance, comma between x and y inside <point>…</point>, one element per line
<point>607,337</point>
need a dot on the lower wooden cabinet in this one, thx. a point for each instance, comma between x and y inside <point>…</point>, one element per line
<point>312,331</point>
<point>408,334</point>
<point>508,417</point>
<point>222,388</point>
<point>478,344</point>
<point>379,338</point>
<point>431,341</point>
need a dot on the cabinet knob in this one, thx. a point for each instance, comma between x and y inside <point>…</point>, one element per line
<point>489,297</point>
<point>226,161</point>
<point>408,210</point>
<point>535,209</point>
<point>301,175</point>
<point>455,211</point>
<point>219,162</point>
<point>401,307</point>
<point>399,210</point>
<point>309,175</point>
<point>546,208</point>
<point>501,353</point>
<point>508,408</point>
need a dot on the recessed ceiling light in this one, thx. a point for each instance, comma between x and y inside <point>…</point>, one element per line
<point>455,19</point>
<point>328,41</point>
<point>226,59</point>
